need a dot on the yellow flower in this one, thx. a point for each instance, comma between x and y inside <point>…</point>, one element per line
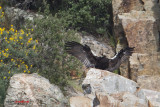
<point>11,38</point>
<point>12,29</point>
<point>6,49</point>
<point>12,59</point>
<point>26,66</point>
<point>22,32</point>
<point>34,47</point>
<point>9,72</point>
<point>36,41</point>
<point>31,65</point>
<point>26,53</point>
<point>24,71</point>
<point>29,71</point>
<point>4,77</point>
<point>21,43</point>
<point>0,7</point>
<point>20,37</point>
<point>15,34</point>
<point>29,40</point>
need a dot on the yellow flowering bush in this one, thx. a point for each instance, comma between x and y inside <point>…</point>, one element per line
<point>17,50</point>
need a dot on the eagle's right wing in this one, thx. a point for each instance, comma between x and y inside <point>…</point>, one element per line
<point>83,53</point>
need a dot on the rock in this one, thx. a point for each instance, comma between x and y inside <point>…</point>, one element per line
<point>71,91</point>
<point>80,101</point>
<point>18,17</point>
<point>137,23</point>
<point>125,99</point>
<point>152,96</point>
<point>149,82</point>
<point>33,90</point>
<point>104,81</point>
<point>123,6</point>
<point>142,32</point>
<point>105,89</point>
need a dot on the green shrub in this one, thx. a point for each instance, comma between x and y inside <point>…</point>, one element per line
<point>92,16</point>
<point>17,52</point>
<point>53,62</point>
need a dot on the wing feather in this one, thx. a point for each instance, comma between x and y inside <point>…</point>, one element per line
<point>119,58</point>
<point>83,53</point>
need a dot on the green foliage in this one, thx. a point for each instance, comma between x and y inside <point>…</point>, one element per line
<point>53,62</point>
<point>116,71</point>
<point>17,52</point>
<point>87,15</point>
<point>3,88</point>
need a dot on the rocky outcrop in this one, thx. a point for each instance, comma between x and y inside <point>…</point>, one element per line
<point>18,17</point>
<point>149,82</point>
<point>142,32</point>
<point>32,90</point>
<point>136,23</point>
<point>106,89</point>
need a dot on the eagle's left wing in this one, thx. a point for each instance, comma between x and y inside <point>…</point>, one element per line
<point>119,58</point>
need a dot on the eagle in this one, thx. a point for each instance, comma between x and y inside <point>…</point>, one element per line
<point>85,55</point>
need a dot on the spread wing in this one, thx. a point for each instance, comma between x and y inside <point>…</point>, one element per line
<point>83,53</point>
<point>124,54</point>
<point>119,58</point>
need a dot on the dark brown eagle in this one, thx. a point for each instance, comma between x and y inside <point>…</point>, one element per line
<point>84,54</point>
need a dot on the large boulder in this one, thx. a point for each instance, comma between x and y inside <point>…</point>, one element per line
<point>32,90</point>
<point>104,81</point>
<point>149,82</point>
<point>142,32</point>
<point>105,89</point>
<point>137,24</point>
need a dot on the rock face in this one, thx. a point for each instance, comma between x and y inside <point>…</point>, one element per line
<point>106,89</point>
<point>18,17</point>
<point>141,32</point>
<point>149,82</point>
<point>32,90</point>
<point>137,24</point>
